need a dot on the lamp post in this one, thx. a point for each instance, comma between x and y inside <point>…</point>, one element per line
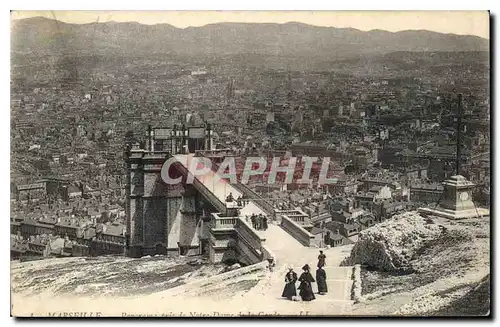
<point>178,148</point>
<point>209,137</point>
<point>172,140</point>
<point>322,233</point>
<point>185,138</point>
<point>150,138</point>
<point>175,134</point>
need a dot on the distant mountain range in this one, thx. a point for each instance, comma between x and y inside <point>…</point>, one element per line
<point>46,36</point>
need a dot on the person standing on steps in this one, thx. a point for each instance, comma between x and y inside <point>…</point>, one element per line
<point>254,221</point>
<point>305,287</point>
<point>321,259</point>
<point>259,222</point>
<point>290,279</point>
<point>321,280</point>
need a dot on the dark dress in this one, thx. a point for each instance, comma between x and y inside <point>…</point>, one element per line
<point>321,280</point>
<point>306,292</point>
<point>290,291</point>
<point>264,223</point>
<point>321,260</point>
<point>254,222</point>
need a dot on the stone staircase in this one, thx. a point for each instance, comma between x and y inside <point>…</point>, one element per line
<point>339,281</point>
<point>289,252</point>
<point>215,294</point>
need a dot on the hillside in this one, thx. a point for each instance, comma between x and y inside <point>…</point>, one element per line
<point>42,35</point>
<point>111,276</point>
<point>424,266</point>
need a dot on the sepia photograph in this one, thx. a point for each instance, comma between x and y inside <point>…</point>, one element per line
<point>231,164</point>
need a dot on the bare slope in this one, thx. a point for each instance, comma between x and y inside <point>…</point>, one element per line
<point>423,266</point>
<point>110,276</point>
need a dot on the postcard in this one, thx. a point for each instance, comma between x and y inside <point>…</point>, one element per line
<point>222,164</point>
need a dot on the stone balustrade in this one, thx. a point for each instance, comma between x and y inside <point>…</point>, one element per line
<point>250,244</point>
<point>298,219</point>
<point>217,152</point>
<point>297,231</point>
<point>296,215</point>
<point>223,222</point>
<point>243,189</point>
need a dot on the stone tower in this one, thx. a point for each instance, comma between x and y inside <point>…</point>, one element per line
<point>161,218</point>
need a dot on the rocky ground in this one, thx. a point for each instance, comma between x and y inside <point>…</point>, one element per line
<point>113,276</point>
<point>424,266</point>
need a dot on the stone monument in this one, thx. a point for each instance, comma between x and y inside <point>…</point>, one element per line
<point>456,201</point>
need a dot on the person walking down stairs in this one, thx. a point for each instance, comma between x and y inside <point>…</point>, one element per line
<point>321,280</point>
<point>321,259</point>
<point>306,280</point>
<point>290,279</point>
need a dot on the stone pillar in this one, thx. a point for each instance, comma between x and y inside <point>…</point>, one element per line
<point>173,140</point>
<point>208,138</point>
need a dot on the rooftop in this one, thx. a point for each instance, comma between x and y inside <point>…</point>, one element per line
<point>316,231</point>
<point>336,237</point>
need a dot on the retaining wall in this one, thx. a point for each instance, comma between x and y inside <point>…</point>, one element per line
<point>297,231</point>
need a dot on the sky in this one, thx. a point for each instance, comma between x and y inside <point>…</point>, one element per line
<point>457,22</point>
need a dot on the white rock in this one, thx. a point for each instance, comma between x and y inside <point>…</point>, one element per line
<point>387,246</point>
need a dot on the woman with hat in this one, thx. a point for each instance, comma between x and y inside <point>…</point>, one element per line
<point>306,279</point>
<point>290,279</point>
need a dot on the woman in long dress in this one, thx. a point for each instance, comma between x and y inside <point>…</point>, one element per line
<point>290,279</point>
<point>321,259</point>
<point>321,280</point>
<point>264,223</point>
<point>306,279</point>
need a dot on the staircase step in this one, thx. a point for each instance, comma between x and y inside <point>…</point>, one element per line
<point>338,272</point>
<point>337,289</point>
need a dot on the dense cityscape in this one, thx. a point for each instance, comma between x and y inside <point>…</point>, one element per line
<point>392,136</point>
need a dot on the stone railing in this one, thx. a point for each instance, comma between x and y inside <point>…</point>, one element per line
<point>257,199</point>
<point>247,192</point>
<point>218,152</point>
<point>356,287</point>
<point>297,231</point>
<point>203,189</point>
<point>223,222</point>
<point>299,219</point>
<point>291,212</point>
<point>250,243</point>
<point>296,215</point>
<point>269,256</point>
<point>250,236</point>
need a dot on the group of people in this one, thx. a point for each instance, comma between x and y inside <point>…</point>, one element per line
<point>306,279</point>
<point>259,222</point>
<point>241,201</point>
